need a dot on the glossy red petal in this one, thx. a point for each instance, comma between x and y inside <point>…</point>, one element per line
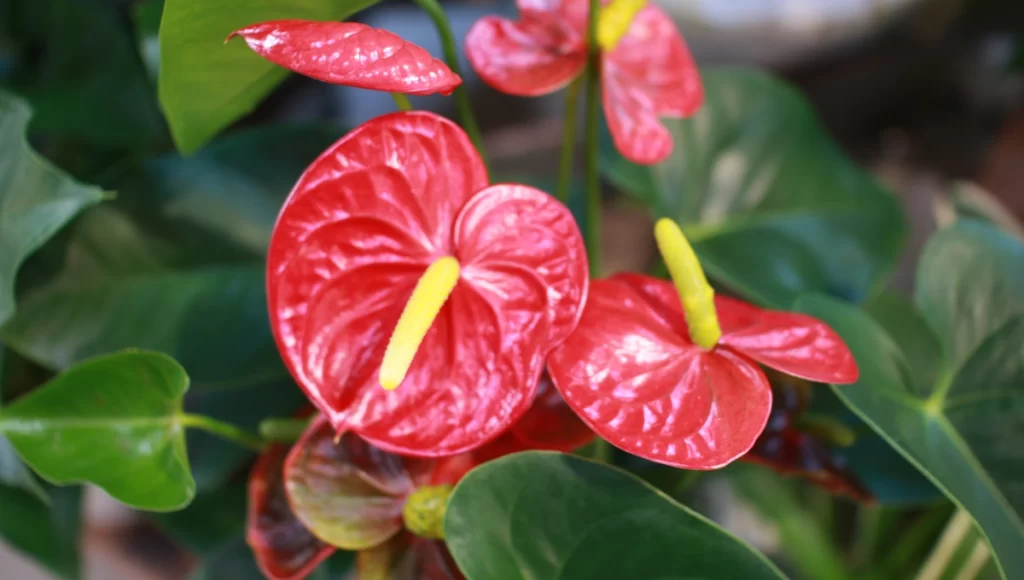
<point>650,74</point>
<point>348,493</point>
<point>527,58</point>
<point>550,424</point>
<point>630,376</point>
<point>352,54</point>
<point>793,343</point>
<point>284,548</point>
<point>357,231</point>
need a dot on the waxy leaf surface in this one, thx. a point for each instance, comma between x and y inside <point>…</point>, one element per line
<point>113,421</point>
<point>958,429</point>
<point>548,515</point>
<point>351,54</point>
<point>358,231</point>
<point>36,199</point>
<point>771,204</point>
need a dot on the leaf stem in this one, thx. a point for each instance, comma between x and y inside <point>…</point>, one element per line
<point>568,141</point>
<point>593,221</point>
<point>224,430</point>
<point>602,451</point>
<point>451,56</point>
<point>956,530</point>
<point>283,430</point>
<point>402,101</point>
<point>975,562</point>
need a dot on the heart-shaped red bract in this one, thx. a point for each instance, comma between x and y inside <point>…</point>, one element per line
<point>352,54</point>
<point>284,548</point>
<point>632,373</point>
<point>649,74</point>
<point>357,232</point>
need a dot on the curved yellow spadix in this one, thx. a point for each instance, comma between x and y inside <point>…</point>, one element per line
<point>615,19</point>
<point>426,301</point>
<point>696,294</point>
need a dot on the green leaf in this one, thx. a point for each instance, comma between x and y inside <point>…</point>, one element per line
<point>176,265</point>
<point>206,84</point>
<point>86,80</point>
<point>14,473</point>
<point>113,421</point>
<point>771,204</point>
<point>36,199</point>
<point>969,200</point>
<point>48,534</point>
<point>958,430</point>
<point>549,515</point>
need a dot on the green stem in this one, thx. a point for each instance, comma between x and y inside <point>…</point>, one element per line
<point>402,101</point>
<point>602,451</point>
<point>451,56</point>
<point>956,530</point>
<point>593,237</point>
<point>568,141</point>
<point>225,430</point>
<point>283,430</point>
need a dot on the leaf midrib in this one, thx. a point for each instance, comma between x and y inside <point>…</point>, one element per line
<point>18,425</point>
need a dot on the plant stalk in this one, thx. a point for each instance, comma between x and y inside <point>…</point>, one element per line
<point>593,77</point>
<point>402,101</point>
<point>283,430</point>
<point>223,430</point>
<point>451,56</point>
<point>568,141</point>
<point>956,530</point>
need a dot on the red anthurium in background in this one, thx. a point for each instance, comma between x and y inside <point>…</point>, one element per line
<point>394,264</point>
<point>670,373</point>
<point>349,53</point>
<point>793,444</point>
<point>646,70</point>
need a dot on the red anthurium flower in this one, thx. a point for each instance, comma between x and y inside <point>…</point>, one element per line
<point>349,53</point>
<point>646,70</point>
<point>797,444</point>
<point>550,425</point>
<point>394,232</point>
<point>670,373</point>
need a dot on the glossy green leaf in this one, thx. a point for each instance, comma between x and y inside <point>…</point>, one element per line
<point>772,205</point>
<point>958,430</point>
<point>113,421</point>
<point>549,515</point>
<point>49,534</point>
<point>36,199</point>
<point>85,79</point>
<point>205,84</point>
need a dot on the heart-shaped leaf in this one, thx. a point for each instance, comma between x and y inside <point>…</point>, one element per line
<point>547,515</point>
<point>176,265</point>
<point>958,430</point>
<point>36,199</point>
<point>772,205</point>
<point>114,421</point>
<point>206,84</point>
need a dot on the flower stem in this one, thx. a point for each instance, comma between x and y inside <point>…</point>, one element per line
<point>225,430</point>
<point>602,451</point>
<point>451,56</point>
<point>956,530</point>
<point>402,101</point>
<point>568,141</point>
<point>281,430</point>
<point>593,222</point>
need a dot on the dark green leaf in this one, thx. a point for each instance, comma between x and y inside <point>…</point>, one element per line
<point>36,199</point>
<point>772,205</point>
<point>206,84</point>
<point>961,431</point>
<point>47,533</point>
<point>14,473</point>
<point>548,515</point>
<point>87,80</point>
<point>113,421</point>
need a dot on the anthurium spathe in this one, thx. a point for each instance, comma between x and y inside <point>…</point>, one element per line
<point>670,372</point>
<point>355,497</point>
<point>647,71</point>
<point>352,54</point>
<point>394,264</point>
